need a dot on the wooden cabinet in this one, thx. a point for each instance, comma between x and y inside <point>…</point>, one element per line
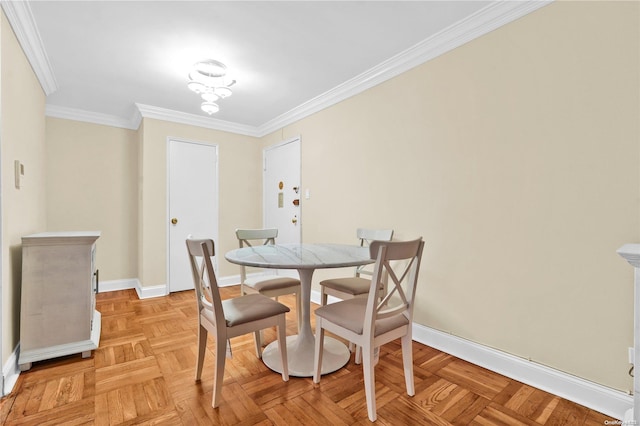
<point>59,284</point>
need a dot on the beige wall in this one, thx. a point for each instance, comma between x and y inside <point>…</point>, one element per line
<point>22,137</point>
<point>92,175</point>
<point>239,175</point>
<point>516,157</point>
<point>114,180</point>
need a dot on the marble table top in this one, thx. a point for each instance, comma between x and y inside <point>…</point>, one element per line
<point>300,256</point>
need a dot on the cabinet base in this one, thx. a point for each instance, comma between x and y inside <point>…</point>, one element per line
<point>28,356</point>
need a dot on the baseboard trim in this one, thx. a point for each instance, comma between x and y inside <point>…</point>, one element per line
<point>115,285</point>
<point>228,281</point>
<point>145,292</point>
<point>597,397</point>
<point>149,292</point>
<point>10,372</point>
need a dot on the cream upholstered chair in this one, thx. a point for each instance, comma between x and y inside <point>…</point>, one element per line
<point>270,286</point>
<point>231,317</point>
<point>349,287</point>
<point>385,315</point>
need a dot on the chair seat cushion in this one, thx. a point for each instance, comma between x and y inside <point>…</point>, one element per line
<point>275,283</point>
<point>350,315</point>
<point>350,285</point>
<point>244,309</point>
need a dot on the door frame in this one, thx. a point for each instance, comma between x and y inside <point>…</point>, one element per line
<point>216,147</point>
<point>264,169</point>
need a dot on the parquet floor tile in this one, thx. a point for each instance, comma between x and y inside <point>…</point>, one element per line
<point>143,374</point>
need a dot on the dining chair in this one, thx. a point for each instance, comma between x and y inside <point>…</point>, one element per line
<point>349,287</point>
<point>267,285</point>
<point>230,317</point>
<point>384,315</point>
<point>354,286</point>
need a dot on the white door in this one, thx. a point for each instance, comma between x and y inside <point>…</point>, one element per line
<point>192,204</point>
<point>281,191</point>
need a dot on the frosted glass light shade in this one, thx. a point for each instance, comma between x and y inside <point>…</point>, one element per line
<point>210,107</point>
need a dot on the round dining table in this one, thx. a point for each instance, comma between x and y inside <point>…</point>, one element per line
<point>305,258</point>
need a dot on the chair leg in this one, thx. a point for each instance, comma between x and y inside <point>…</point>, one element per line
<point>257,339</point>
<point>258,335</point>
<point>317,359</point>
<point>407,362</point>
<point>202,347</point>
<point>324,297</point>
<point>282,345</point>
<point>221,352</point>
<point>369,381</point>
<point>358,357</point>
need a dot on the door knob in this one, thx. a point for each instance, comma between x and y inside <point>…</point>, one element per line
<point>294,220</point>
<point>174,220</point>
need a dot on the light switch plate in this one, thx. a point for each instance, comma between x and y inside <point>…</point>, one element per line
<point>19,172</point>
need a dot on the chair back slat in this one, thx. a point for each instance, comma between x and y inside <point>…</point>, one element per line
<point>394,280</point>
<point>251,237</point>
<point>204,278</point>
<point>366,237</point>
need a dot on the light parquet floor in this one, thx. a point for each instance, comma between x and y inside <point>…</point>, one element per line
<point>143,373</point>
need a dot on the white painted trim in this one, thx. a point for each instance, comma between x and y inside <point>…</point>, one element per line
<point>228,281</point>
<point>148,111</point>
<point>145,292</point>
<point>597,397</point>
<point>148,292</point>
<point>115,285</point>
<point>93,117</point>
<point>480,23</point>
<point>24,26</point>
<point>10,371</point>
<point>589,394</point>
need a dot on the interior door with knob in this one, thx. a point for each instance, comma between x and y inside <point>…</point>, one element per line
<point>192,204</point>
<point>282,192</point>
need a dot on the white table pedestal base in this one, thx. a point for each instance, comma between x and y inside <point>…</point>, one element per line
<point>300,359</point>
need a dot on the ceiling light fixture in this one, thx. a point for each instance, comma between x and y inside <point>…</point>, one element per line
<point>209,79</point>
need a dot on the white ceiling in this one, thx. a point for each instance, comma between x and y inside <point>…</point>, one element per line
<point>116,60</point>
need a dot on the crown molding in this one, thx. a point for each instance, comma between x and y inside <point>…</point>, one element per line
<point>476,25</point>
<point>24,26</point>
<point>480,23</point>
<point>148,111</point>
<point>57,111</point>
